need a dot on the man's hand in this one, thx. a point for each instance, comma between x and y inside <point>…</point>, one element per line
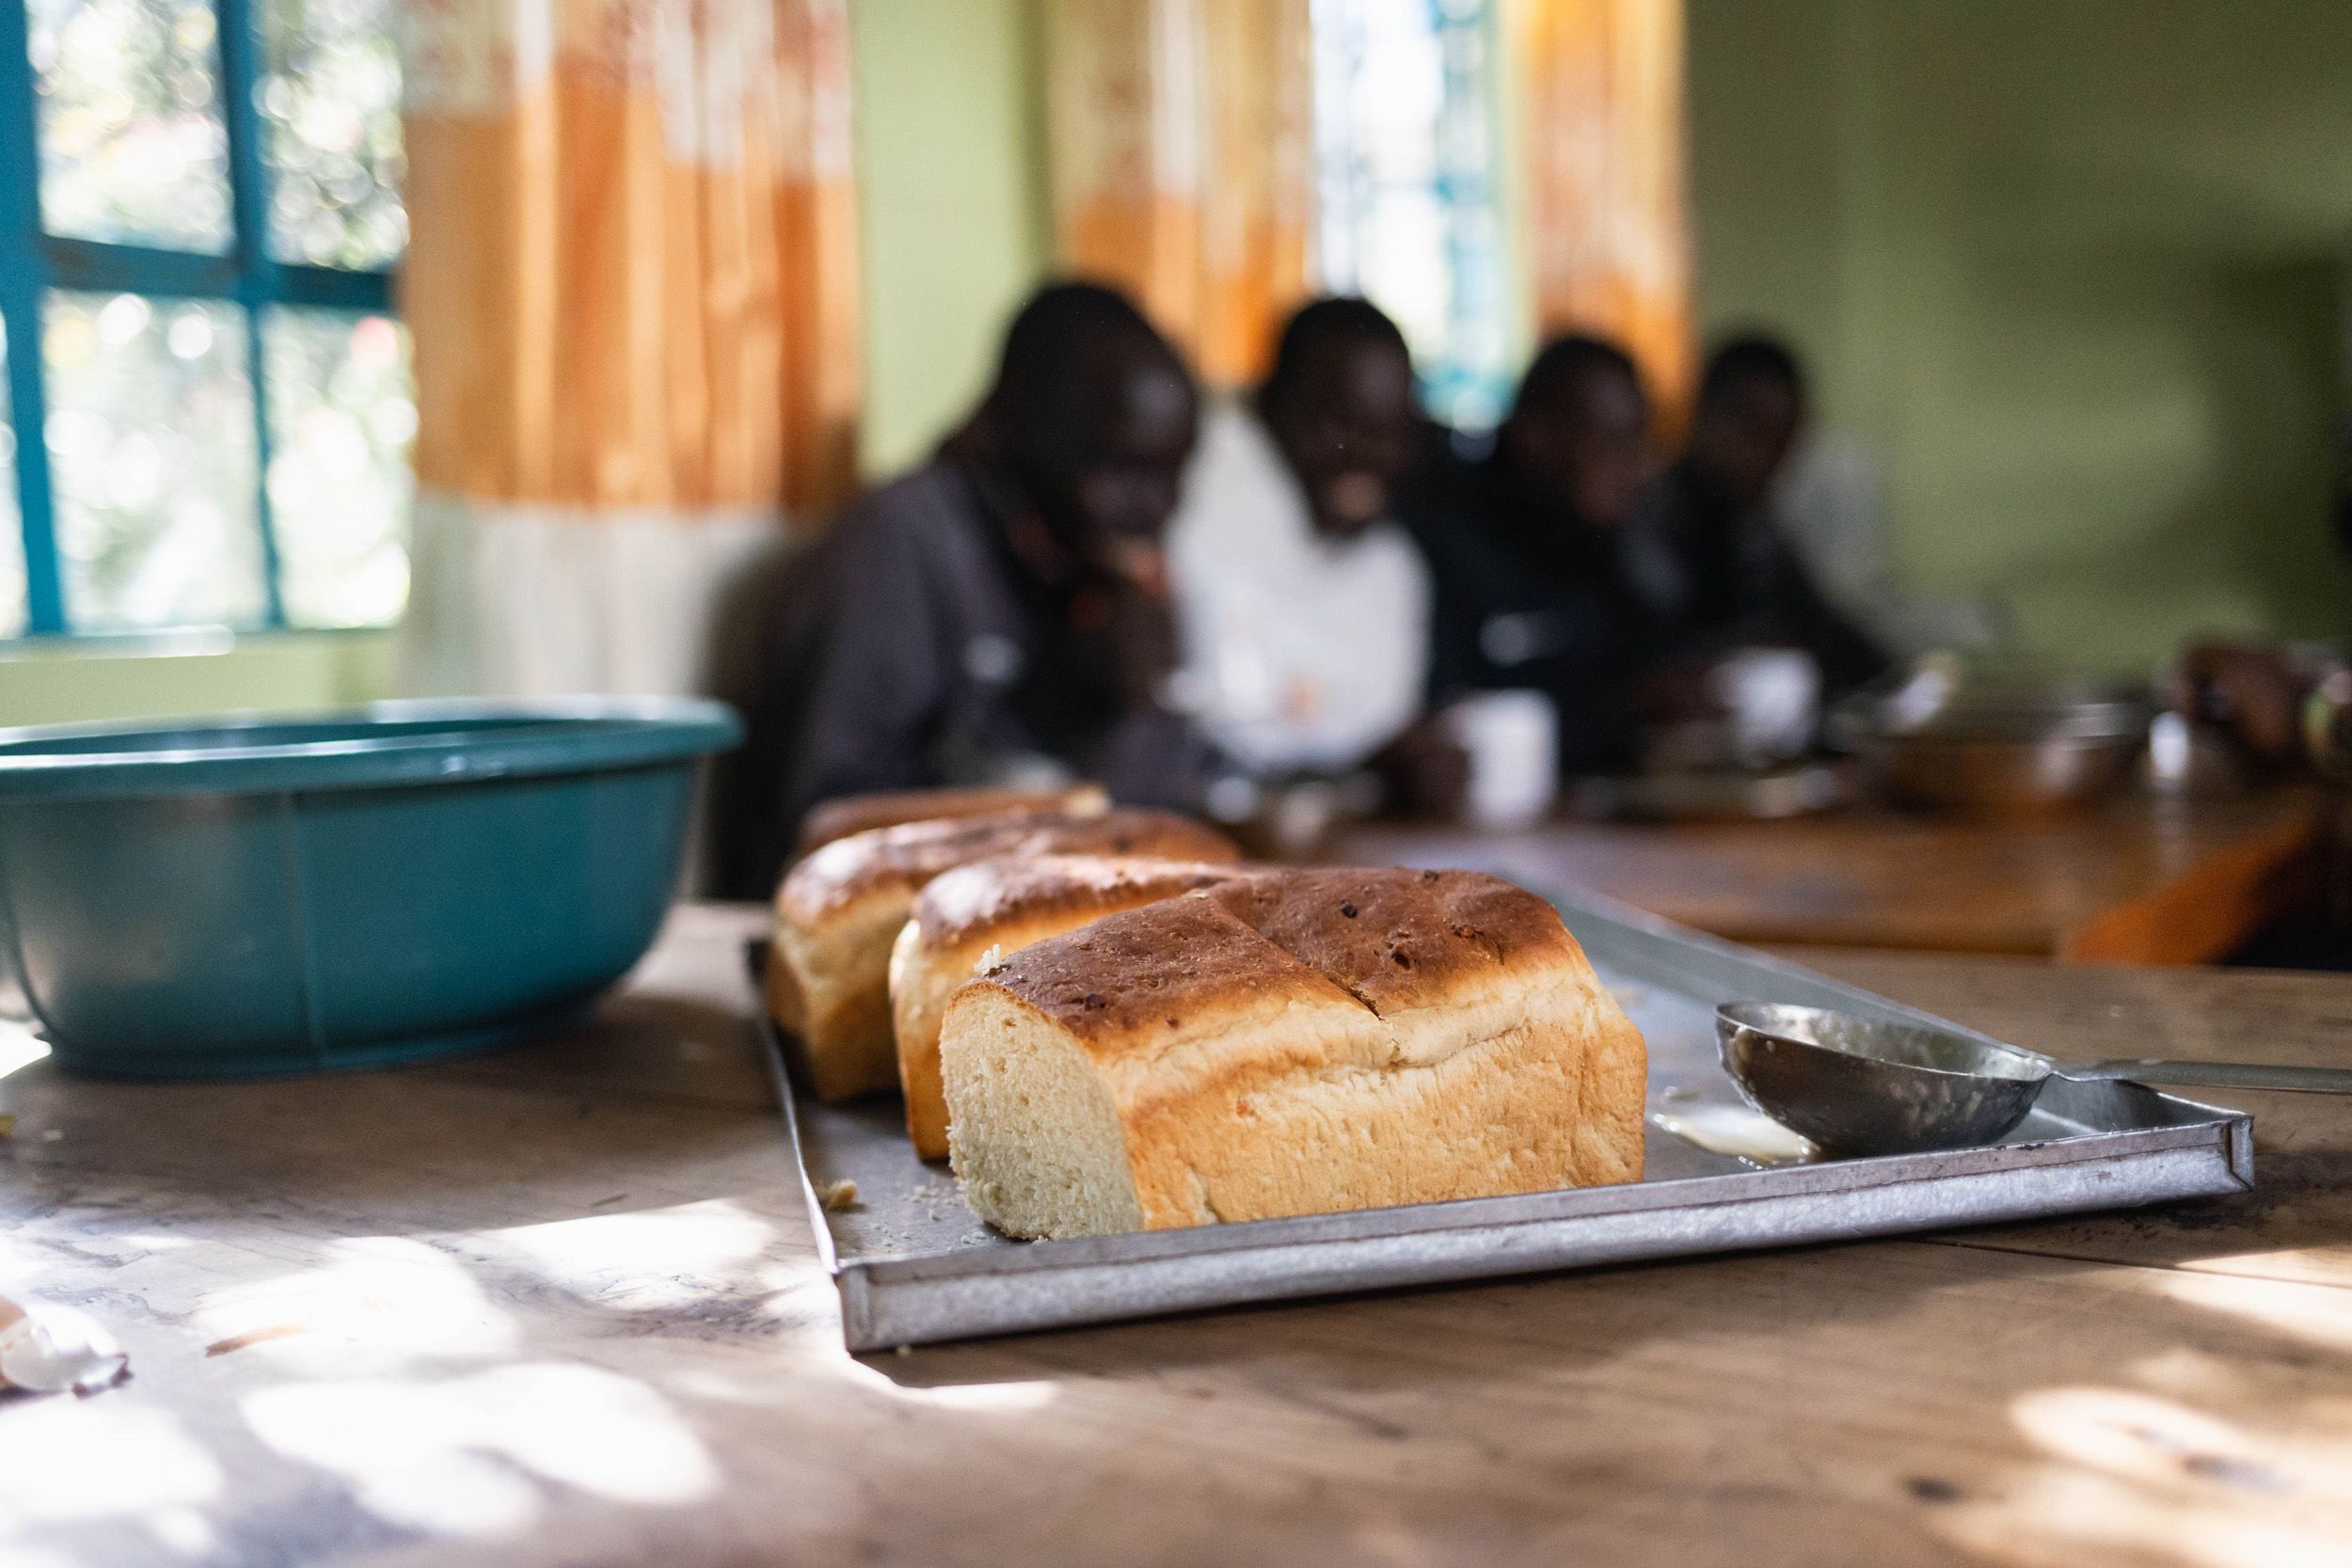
<point>2253,689</point>
<point>1142,633</point>
<point>1681,691</point>
<point>1425,770</point>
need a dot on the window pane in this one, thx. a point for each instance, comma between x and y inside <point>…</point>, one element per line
<point>132,145</point>
<point>150,459</point>
<point>341,413</point>
<point>1402,261</point>
<point>12,530</point>
<point>1406,183</point>
<point>331,113</point>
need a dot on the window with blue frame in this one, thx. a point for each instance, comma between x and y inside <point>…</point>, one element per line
<point>207,409</point>
<point>1406,186</point>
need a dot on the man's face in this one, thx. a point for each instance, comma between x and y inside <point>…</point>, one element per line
<point>1590,448</point>
<point>1347,427</point>
<point>1125,489</point>
<point>1108,467</point>
<point>1743,437</point>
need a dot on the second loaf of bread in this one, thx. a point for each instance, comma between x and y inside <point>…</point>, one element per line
<point>997,907</point>
<point>839,911</point>
<point>845,814</point>
<point>1291,1043</point>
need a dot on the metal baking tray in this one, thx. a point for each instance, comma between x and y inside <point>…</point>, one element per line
<point>915,1265</point>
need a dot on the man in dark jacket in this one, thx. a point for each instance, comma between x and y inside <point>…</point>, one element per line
<point>1709,552</point>
<point>1528,551</point>
<point>1001,613</point>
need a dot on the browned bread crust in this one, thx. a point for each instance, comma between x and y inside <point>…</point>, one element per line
<point>845,814</point>
<point>1292,1043</point>
<point>994,906</point>
<point>974,901</point>
<point>904,858</point>
<point>839,911</point>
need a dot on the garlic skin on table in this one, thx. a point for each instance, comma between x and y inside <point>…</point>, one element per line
<point>48,1349</point>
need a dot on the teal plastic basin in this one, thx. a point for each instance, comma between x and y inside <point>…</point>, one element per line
<point>245,896</point>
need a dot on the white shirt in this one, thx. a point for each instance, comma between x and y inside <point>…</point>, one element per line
<point>1300,652</point>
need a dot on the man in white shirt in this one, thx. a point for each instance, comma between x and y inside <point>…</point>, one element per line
<point>1303,604</point>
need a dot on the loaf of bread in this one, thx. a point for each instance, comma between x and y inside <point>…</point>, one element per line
<point>988,908</point>
<point>1291,1043</point>
<point>845,814</point>
<point>839,911</point>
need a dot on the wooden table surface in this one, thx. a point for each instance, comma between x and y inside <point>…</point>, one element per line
<point>2141,879</point>
<point>560,1305</point>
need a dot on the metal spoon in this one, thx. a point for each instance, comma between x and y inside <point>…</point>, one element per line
<point>1867,1085</point>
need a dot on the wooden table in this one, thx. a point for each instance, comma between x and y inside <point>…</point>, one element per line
<point>2143,879</point>
<point>559,1305</point>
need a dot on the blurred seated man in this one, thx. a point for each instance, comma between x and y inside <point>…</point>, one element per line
<point>2287,704</point>
<point>999,615</point>
<point>1709,551</point>
<point>1304,605</point>
<point>1528,552</point>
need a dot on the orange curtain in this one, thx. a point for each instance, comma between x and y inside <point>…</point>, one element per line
<point>1609,236</point>
<point>631,285</point>
<point>1181,140</point>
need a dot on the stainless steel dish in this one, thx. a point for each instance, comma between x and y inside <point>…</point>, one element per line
<point>2001,748</point>
<point>1873,1085</point>
<point>1864,1086</point>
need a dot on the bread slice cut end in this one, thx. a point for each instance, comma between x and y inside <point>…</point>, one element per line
<point>832,991</point>
<point>1037,1144</point>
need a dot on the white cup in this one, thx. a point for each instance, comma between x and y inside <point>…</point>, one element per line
<point>1772,697</point>
<point>1512,740</point>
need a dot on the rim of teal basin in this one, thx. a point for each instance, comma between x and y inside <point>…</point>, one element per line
<point>408,742</point>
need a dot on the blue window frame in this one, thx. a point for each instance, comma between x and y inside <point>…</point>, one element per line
<point>41,272</point>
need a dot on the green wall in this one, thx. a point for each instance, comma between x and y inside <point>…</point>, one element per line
<point>949,119</point>
<point>2074,268</point>
<point>62,683</point>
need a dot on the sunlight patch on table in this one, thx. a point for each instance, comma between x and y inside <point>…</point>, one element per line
<point>2062,1519</point>
<point>388,1295</point>
<point>1009,1399</point>
<point>645,1258</point>
<point>2129,1472</point>
<point>19,1048</point>
<point>156,1241</point>
<point>2314,1314</point>
<point>460,1456</point>
<point>184,1530</point>
<point>64,1459</point>
<point>2163,1441</point>
<point>2314,1265</point>
<point>37,1556</point>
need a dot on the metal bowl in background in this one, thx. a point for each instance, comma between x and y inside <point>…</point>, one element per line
<point>221,897</point>
<point>2000,748</point>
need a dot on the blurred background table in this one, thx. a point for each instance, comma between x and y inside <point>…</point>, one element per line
<point>2138,880</point>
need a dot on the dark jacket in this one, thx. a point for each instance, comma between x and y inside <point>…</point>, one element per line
<point>1529,598</point>
<point>1722,578</point>
<point>913,645</point>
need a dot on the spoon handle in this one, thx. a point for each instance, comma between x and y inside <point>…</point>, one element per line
<point>2218,1075</point>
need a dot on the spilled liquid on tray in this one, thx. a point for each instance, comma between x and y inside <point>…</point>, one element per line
<point>1734,1131</point>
